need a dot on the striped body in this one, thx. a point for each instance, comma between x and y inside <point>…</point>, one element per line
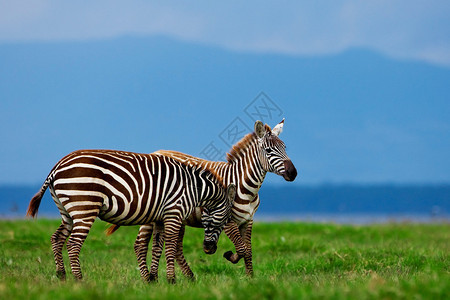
<point>248,184</point>
<point>127,188</point>
<point>248,162</point>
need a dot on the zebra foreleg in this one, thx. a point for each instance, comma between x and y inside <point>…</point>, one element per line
<point>232,231</point>
<point>157,249</point>
<point>180,256</point>
<point>242,245</point>
<point>58,239</point>
<point>171,228</point>
<point>141,249</point>
<point>248,242</point>
<point>79,233</point>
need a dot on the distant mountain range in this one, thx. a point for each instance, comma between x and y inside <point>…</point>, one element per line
<point>425,200</point>
<point>356,116</point>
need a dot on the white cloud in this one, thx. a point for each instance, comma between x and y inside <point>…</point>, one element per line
<point>404,29</point>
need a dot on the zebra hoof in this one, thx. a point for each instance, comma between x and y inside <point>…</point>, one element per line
<point>228,254</point>
<point>171,280</point>
<point>61,275</point>
<point>232,257</point>
<point>152,278</point>
<point>191,278</point>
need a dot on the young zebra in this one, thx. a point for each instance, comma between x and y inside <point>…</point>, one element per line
<point>127,188</point>
<point>247,164</point>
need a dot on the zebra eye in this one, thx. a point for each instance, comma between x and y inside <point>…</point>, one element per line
<point>268,150</point>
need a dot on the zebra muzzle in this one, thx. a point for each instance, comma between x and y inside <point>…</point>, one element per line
<point>290,171</point>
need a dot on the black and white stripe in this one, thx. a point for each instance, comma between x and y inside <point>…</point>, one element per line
<point>126,188</point>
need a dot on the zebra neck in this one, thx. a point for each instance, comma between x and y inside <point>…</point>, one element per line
<point>210,195</point>
<point>248,175</point>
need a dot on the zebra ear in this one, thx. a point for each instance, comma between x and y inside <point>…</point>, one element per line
<point>259,129</point>
<point>231,192</point>
<point>278,129</point>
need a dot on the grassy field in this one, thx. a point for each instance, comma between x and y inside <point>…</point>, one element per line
<point>291,261</point>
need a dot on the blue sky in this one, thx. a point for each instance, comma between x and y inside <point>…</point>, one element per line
<point>364,86</point>
<point>401,29</point>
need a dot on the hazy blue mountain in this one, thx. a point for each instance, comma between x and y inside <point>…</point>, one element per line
<point>340,200</point>
<point>356,116</point>
<point>355,199</point>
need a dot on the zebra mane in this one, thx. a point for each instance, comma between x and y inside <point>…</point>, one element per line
<point>235,154</point>
<point>236,151</point>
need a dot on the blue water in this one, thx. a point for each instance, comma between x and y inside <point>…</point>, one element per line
<point>353,204</point>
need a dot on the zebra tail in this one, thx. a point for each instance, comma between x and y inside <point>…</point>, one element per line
<point>111,229</point>
<point>33,207</point>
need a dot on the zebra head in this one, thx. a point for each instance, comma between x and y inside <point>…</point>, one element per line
<point>272,151</point>
<point>215,218</point>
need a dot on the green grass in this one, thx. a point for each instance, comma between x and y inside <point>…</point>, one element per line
<point>291,261</point>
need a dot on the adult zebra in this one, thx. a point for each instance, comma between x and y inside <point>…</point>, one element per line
<point>126,188</point>
<point>247,164</point>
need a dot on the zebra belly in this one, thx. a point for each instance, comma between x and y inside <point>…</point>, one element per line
<point>195,218</point>
<point>146,211</point>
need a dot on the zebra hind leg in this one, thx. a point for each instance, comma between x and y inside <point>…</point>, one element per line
<point>141,250</point>
<point>157,250</point>
<point>58,239</point>
<point>80,231</point>
<point>180,256</point>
